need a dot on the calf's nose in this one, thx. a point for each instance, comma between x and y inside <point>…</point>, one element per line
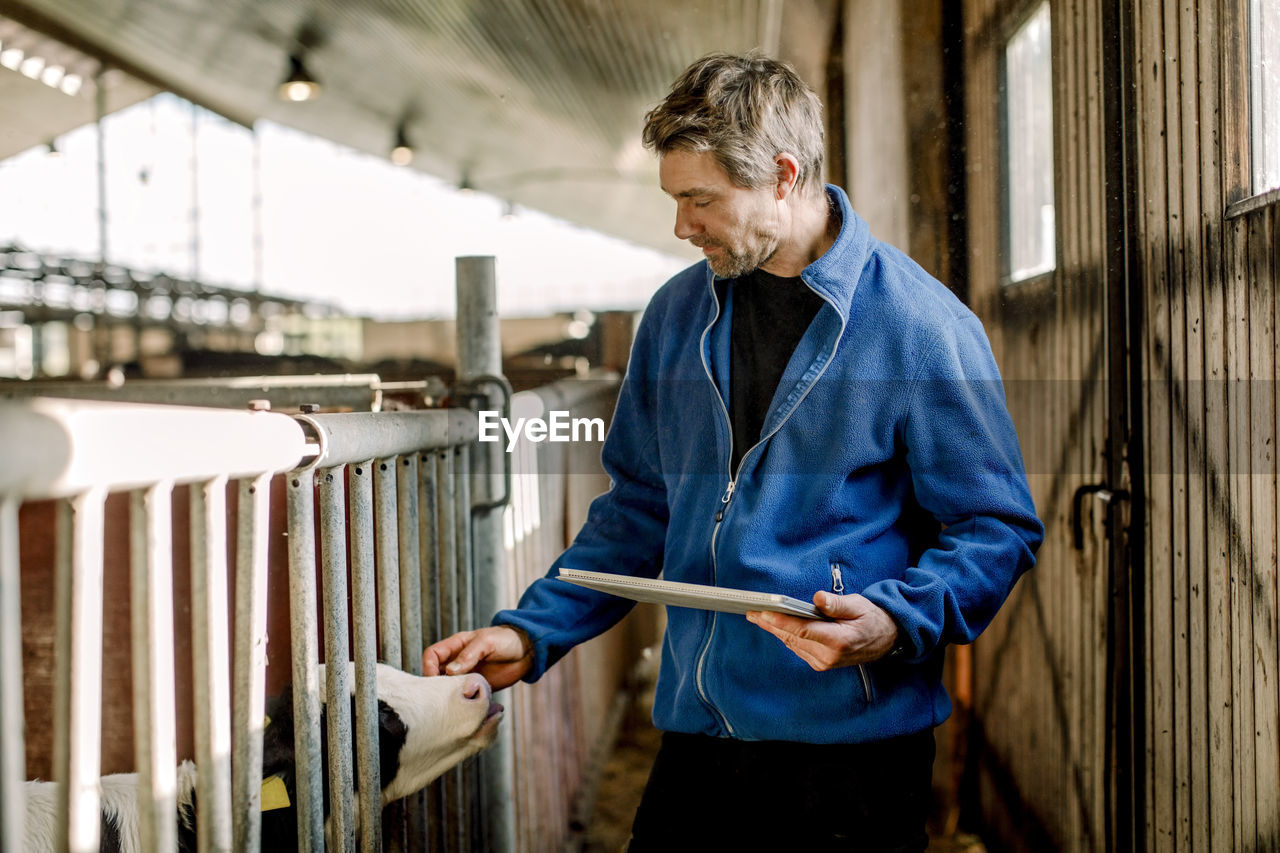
<point>475,687</point>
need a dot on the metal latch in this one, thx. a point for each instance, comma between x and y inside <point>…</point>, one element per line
<point>1099,491</point>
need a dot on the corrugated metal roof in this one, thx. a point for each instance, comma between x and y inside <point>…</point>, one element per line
<point>537,101</point>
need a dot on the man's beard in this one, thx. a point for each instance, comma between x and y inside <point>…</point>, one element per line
<point>728,263</point>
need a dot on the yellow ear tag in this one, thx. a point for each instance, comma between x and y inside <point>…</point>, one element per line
<point>274,794</point>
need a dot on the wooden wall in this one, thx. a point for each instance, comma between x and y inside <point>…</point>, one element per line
<point>1209,351</point>
<point>1206,416</point>
<point>1037,738</point>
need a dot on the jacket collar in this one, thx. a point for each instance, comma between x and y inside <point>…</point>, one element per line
<point>835,275</point>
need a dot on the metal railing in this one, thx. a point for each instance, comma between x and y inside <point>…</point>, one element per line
<point>415,541</point>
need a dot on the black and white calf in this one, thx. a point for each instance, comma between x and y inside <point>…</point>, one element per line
<point>425,727</point>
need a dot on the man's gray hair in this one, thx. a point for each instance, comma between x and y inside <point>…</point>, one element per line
<point>745,110</point>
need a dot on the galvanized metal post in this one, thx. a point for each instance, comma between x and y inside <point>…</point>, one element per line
<point>363,620</point>
<point>385,501</point>
<point>252,511</point>
<point>333,559</point>
<point>13,755</point>
<point>210,652</point>
<point>154,715</point>
<point>411,644</point>
<point>479,355</point>
<point>304,639</point>
<point>77,745</point>
<point>447,602</point>
<point>429,566</point>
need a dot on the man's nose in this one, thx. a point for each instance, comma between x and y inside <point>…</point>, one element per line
<point>686,227</point>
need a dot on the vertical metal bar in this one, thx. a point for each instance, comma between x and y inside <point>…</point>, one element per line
<point>304,640</point>
<point>447,531</point>
<point>388,560</point>
<point>333,561</point>
<point>252,516</point>
<point>210,651</point>
<point>429,562</point>
<point>78,688</point>
<point>469,782</point>
<point>386,532</point>
<point>480,354</point>
<point>429,545</point>
<point>462,538</point>
<point>363,616</point>
<point>78,705</point>
<point>446,487</point>
<point>411,644</point>
<point>13,753</point>
<point>154,714</point>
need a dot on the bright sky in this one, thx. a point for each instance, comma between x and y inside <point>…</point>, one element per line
<point>337,225</point>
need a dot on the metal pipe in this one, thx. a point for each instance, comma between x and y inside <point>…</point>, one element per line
<point>211,672</point>
<point>449,581</point>
<point>78,703</point>
<point>480,354</point>
<point>479,345</point>
<point>303,638</point>
<point>387,556</point>
<point>72,446</point>
<point>12,744</point>
<point>154,714</point>
<point>358,392</point>
<point>410,603</point>
<point>462,538</point>
<point>359,436</point>
<point>446,512</point>
<point>333,552</point>
<point>252,524</point>
<point>411,644</point>
<point>468,802</point>
<point>429,545</point>
<point>363,616</point>
<point>429,564</point>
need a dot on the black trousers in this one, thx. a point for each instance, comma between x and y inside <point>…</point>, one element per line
<point>707,793</point>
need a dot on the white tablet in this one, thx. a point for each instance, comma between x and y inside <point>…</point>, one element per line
<point>693,595</point>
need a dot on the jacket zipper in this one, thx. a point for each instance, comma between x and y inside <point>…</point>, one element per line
<point>837,587</point>
<point>733,481</point>
<point>715,531</point>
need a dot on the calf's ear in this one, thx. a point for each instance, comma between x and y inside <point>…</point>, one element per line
<point>392,733</point>
<point>277,737</point>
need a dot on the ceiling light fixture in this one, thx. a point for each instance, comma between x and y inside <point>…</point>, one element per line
<point>298,84</point>
<point>31,67</point>
<point>402,151</point>
<point>52,75</point>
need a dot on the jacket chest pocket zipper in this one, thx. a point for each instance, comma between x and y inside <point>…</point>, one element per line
<point>837,587</point>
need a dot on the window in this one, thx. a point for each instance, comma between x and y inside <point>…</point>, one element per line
<point>1028,121</point>
<point>1264,73</point>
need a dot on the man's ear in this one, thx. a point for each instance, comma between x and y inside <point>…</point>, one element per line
<point>788,174</point>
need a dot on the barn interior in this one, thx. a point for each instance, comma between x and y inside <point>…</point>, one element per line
<point>1099,180</point>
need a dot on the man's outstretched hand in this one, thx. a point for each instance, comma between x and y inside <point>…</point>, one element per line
<point>860,633</point>
<point>501,654</point>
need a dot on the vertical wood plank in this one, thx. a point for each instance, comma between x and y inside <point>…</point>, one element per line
<point>1262,582</point>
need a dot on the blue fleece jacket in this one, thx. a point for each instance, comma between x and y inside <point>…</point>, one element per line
<point>887,465</point>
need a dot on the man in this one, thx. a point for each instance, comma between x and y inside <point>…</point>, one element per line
<point>806,412</point>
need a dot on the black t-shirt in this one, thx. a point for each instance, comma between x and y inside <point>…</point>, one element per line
<point>770,314</point>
